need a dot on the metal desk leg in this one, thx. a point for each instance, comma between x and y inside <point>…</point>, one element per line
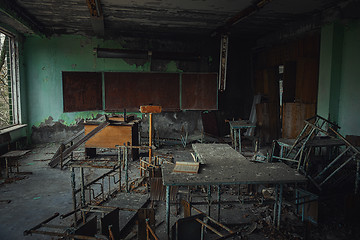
<point>357,179</point>
<point>168,211</point>
<point>82,187</point>
<point>303,210</point>
<point>235,139</point>
<point>279,206</point>
<point>297,200</point>
<point>119,163</point>
<point>126,170</point>
<point>218,199</point>
<point>239,135</point>
<point>73,187</point>
<point>7,167</point>
<point>276,203</point>
<point>209,199</point>
<point>232,136</point>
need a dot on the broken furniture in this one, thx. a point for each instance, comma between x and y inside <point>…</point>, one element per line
<point>150,233</point>
<point>64,152</point>
<point>307,204</point>
<point>235,132</point>
<point>193,226</point>
<point>63,146</point>
<point>12,159</point>
<point>319,133</point>
<point>108,225</point>
<point>118,132</point>
<point>225,166</point>
<point>97,190</point>
<point>124,156</point>
<point>105,225</point>
<point>87,230</point>
<point>284,144</point>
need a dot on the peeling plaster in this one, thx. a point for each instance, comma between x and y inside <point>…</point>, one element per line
<point>172,67</point>
<point>45,59</point>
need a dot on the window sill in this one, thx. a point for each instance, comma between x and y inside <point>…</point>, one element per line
<point>12,128</point>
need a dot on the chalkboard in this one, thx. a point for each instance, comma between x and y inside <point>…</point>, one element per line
<point>82,91</point>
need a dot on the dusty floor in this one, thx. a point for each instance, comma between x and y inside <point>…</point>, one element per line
<point>31,198</point>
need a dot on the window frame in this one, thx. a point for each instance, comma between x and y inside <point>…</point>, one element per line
<point>14,78</point>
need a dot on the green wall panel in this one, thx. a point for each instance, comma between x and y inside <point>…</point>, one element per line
<point>349,104</point>
<point>45,59</point>
<point>339,78</point>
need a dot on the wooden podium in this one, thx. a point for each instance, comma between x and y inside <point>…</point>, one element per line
<point>117,133</point>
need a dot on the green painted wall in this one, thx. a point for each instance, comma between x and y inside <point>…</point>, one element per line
<point>330,71</point>
<point>349,104</point>
<point>339,81</point>
<point>45,59</point>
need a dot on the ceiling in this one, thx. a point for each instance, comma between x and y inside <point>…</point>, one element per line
<point>247,18</point>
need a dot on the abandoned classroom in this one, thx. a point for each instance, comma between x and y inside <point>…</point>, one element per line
<point>179,119</point>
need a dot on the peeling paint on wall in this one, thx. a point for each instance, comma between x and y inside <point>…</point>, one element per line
<point>172,67</point>
<point>46,58</point>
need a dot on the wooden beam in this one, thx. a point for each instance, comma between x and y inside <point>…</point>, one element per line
<point>13,11</point>
<point>96,16</point>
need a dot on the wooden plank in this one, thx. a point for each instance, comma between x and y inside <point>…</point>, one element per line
<point>186,167</point>
<point>55,161</point>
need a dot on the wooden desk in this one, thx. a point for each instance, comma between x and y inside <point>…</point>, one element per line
<point>117,133</point>
<point>13,156</point>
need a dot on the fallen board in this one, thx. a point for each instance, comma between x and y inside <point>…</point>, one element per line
<point>57,157</point>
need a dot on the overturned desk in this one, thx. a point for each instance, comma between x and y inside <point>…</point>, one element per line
<point>222,165</point>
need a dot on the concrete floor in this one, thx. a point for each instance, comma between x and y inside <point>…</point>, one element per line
<point>36,197</point>
<point>47,190</point>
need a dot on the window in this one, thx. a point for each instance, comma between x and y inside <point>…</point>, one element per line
<point>9,81</point>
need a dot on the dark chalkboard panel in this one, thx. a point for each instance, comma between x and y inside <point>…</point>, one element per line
<point>82,91</point>
<point>131,90</point>
<point>199,91</point>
